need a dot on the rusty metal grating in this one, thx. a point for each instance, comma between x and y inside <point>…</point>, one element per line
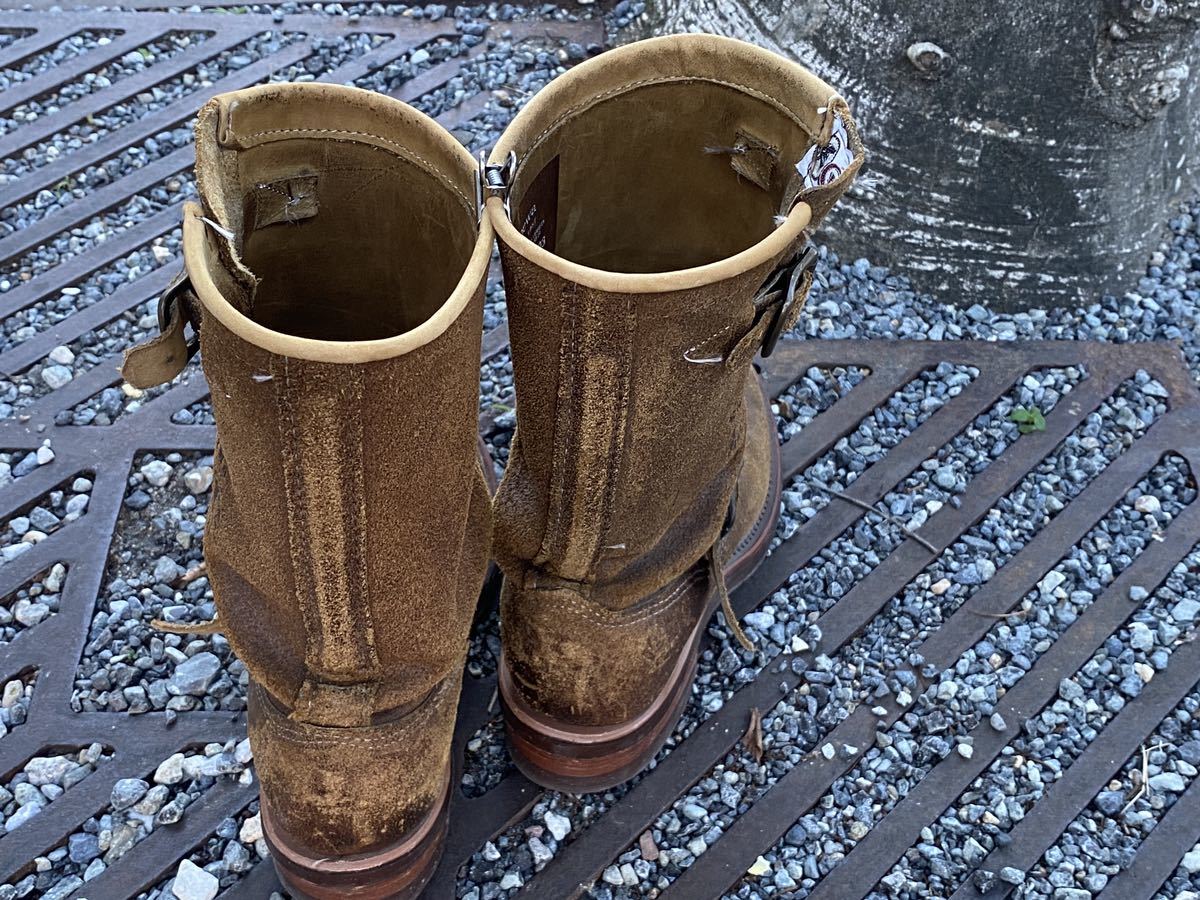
<point>51,650</point>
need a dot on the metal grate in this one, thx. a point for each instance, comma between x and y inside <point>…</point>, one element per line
<point>52,649</point>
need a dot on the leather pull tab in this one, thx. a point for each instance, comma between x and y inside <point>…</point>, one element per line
<point>161,358</point>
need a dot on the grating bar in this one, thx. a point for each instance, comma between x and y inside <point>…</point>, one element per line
<point>44,37</point>
<point>1160,853</point>
<point>582,861</point>
<point>1086,777</point>
<point>67,71</point>
<point>163,848</point>
<point>374,59</point>
<point>804,784</point>
<point>120,139</point>
<point>98,201</point>
<point>79,267</point>
<point>97,315</point>
<point>875,854</point>
<point>48,125</point>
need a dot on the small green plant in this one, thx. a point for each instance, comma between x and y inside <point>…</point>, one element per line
<point>1028,419</point>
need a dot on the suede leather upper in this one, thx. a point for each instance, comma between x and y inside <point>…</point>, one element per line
<point>644,203</point>
<point>339,273</point>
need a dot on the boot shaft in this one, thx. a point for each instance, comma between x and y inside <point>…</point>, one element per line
<point>339,273</point>
<point>655,191</point>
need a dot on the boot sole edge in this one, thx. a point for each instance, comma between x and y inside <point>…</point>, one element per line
<point>400,871</point>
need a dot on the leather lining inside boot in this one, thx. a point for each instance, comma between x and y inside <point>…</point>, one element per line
<point>348,241</point>
<point>658,177</point>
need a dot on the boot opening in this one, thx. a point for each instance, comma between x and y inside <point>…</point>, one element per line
<point>349,241</point>
<point>660,177</point>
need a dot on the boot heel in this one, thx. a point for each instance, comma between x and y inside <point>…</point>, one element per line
<point>581,759</point>
<point>397,872</point>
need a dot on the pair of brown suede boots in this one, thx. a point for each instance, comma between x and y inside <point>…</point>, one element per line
<point>651,207</point>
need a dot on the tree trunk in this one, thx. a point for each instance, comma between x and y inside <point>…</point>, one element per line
<point>1018,154</point>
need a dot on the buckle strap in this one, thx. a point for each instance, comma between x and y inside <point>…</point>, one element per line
<point>790,285</point>
<point>163,357</point>
<point>494,181</point>
<point>777,305</point>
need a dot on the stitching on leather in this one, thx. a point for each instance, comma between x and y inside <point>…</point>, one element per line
<point>596,617</point>
<point>564,443</point>
<point>711,337</point>
<point>295,506</point>
<point>399,151</point>
<point>616,456</point>
<point>760,521</point>
<point>361,613</point>
<point>621,89</point>
<point>277,723</point>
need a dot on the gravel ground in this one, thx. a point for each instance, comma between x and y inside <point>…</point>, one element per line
<point>87,235</point>
<point>1184,883</point>
<point>46,515</point>
<point>14,703</point>
<point>136,807</point>
<point>140,58</point>
<point>155,571</point>
<point>1106,836</point>
<point>43,780</point>
<point>29,322</point>
<point>78,135</point>
<point>834,686</point>
<point>100,346</point>
<point>32,603</point>
<point>10,36</point>
<point>66,49</point>
<point>156,552</point>
<point>813,393</point>
<point>808,493</point>
<point>231,851</point>
<point>1050,741</point>
<point>785,622</point>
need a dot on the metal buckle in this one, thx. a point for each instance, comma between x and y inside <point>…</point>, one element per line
<point>168,301</point>
<point>494,181</point>
<point>792,273</point>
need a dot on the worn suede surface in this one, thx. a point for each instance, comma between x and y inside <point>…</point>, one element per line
<point>398,774</point>
<point>645,202</point>
<point>348,535</point>
<point>583,662</point>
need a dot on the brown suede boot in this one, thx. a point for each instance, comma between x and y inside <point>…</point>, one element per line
<point>335,275</point>
<point>652,207</point>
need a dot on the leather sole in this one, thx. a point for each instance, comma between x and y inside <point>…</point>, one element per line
<point>585,759</point>
<point>397,872</point>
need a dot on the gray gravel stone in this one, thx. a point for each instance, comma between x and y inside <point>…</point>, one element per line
<point>193,883</point>
<point>127,792</point>
<point>193,677</point>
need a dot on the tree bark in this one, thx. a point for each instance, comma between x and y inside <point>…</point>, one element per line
<point>1020,154</point>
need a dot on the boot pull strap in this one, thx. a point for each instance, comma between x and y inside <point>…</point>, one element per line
<point>717,577</point>
<point>161,358</point>
<point>777,307</point>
